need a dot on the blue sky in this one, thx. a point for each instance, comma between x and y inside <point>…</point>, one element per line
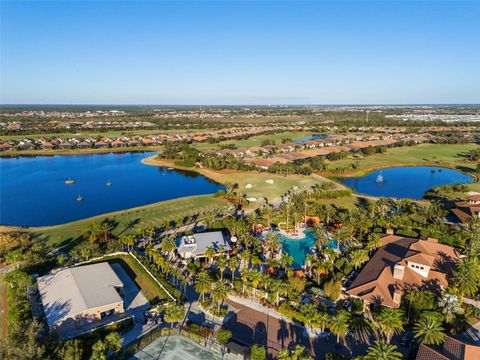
<point>274,52</point>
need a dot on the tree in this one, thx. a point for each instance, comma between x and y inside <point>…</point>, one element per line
<point>174,313</point>
<point>219,293</point>
<point>358,257</point>
<point>222,266</point>
<point>232,266</point>
<point>99,351</point>
<point>70,350</point>
<point>451,306</point>
<point>339,324</point>
<point>389,321</point>
<point>298,353</point>
<point>467,276</point>
<point>272,243</point>
<point>203,284</point>
<point>168,246</point>
<point>113,341</point>
<point>381,350</point>
<point>332,289</point>
<point>429,330</point>
<point>127,240</point>
<point>223,336</point>
<point>210,254</point>
<point>258,352</point>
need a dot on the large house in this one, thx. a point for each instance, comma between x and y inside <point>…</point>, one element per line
<point>195,246</point>
<point>81,295</point>
<point>452,349</point>
<point>402,263</point>
<point>466,210</point>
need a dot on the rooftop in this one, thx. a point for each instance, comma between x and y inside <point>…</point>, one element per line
<point>72,291</point>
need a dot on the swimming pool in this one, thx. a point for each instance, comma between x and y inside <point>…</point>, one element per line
<point>299,248</point>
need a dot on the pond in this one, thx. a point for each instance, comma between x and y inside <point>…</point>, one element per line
<point>404,181</point>
<point>33,191</point>
<point>299,248</point>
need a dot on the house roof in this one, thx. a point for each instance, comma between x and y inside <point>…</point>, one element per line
<point>201,241</point>
<point>452,349</point>
<point>70,292</point>
<point>376,282</point>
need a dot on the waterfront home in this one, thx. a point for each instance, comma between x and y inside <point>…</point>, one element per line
<point>79,296</point>
<point>47,145</point>
<point>195,245</point>
<point>6,146</point>
<point>118,143</point>
<point>83,145</point>
<point>101,145</point>
<point>402,263</point>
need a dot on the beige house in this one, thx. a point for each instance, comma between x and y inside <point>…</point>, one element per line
<point>82,295</point>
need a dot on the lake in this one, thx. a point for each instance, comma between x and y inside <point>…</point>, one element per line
<point>405,181</point>
<point>33,190</point>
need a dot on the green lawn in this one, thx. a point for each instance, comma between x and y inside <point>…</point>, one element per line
<point>3,309</point>
<point>152,215</point>
<point>424,154</point>
<point>255,140</point>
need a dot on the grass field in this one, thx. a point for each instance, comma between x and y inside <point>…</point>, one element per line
<point>424,154</point>
<point>3,309</point>
<point>255,140</point>
<point>66,235</point>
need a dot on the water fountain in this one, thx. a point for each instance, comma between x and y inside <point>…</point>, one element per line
<point>379,179</point>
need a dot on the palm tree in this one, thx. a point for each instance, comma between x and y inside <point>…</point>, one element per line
<point>383,351</point>
<point>267,213</point>
<point>272,243</point>
<point>232,266</point>
<point>429,329</point>
<point>203,284</point>
<point>373,242</point>
<point>127,240</point>
<point>106,230</point>
<point>358,257</point>
<point>339,324</point>
<point>310,315</point>
<point>219,292</point>
<point>210,254</point>
<point>295,354</point>
<point>286,261</point>
<point>168,246</point>
<point>222,266</point>
<point>323,320</point>
<point>321,234</point>
<point>390,322</point>
<point>467,276</point>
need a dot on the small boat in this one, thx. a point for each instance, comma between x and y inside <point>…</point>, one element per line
<point>79,198</point>
<point>379,179</point>
<point>108,183</point>
<point>69,181</point>
<point>170,168</point>
<point>432,171</point>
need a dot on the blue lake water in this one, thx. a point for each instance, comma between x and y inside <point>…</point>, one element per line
<point>310,137</point>
<point>405,181</point>
<point>33,190</point>
<point>299,248</point>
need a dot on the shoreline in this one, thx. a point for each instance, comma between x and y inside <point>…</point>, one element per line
<point>32,153</point>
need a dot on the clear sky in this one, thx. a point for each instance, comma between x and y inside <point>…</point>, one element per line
<point>274,52</point>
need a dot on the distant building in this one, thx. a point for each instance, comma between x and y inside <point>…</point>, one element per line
<point>194,246</point>
<point>80,295</point>
<point>402,263</point>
